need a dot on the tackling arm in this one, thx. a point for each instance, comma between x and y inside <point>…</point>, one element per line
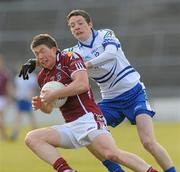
<point>107,56</point>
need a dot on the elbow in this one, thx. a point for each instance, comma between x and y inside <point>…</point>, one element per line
<point>86,88</point>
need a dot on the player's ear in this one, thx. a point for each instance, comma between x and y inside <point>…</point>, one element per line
<point>90,24</point>
<point>54,49</point>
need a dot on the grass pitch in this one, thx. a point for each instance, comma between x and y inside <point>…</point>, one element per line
<point>16,157</point>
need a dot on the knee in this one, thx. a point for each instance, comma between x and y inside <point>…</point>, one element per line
<point>31,139</point>
<point>110,155</point>
<point>149,144</point>
<point>113,156</point>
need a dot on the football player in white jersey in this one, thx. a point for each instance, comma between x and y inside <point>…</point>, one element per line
<point>123,94</point>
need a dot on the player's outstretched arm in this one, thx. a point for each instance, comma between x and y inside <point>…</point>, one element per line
<point>27,68</point>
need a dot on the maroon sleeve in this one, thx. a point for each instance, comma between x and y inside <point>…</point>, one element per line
<point>74,62</point>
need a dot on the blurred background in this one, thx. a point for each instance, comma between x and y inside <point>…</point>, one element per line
<point>149,31</point>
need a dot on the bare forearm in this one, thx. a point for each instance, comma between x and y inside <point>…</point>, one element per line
<point>79,85</point>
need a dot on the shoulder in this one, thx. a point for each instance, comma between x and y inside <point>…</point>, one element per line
<point>68,55</point>
<point>108,37</point>
<point>70,49</point>
<point>106,33</point>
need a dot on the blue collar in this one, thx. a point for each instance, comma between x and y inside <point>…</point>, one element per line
<point>94,34</point>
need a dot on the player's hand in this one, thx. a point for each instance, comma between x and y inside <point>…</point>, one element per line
<point>88,65</point>
<point>48,96</point>
<point>27,68</point>
<point>37,104</point>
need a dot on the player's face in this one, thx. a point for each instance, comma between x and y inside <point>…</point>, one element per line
<point>80,29</point>
<point>45,56</point>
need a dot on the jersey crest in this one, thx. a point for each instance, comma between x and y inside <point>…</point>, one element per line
<point>72,55</point>
<point>109,34</point>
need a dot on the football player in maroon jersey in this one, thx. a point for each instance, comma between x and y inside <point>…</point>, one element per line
<point>84,122</point>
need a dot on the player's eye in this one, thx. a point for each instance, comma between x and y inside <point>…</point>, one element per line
<point>80,23</point>
<point>72,25</point>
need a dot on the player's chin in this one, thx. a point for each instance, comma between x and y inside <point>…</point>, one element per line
<point>44,65</point>
<point>78,37</point>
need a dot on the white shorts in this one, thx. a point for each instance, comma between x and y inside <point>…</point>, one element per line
<point>80,132</point>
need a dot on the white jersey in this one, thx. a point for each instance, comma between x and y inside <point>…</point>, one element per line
<point>25,89</point>
<point>116,75</point>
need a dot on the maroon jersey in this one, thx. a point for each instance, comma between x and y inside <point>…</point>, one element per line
<point>66,65</point>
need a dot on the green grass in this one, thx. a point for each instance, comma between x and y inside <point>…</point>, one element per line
<point>16,157</point>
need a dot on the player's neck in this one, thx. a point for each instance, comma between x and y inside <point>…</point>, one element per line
<point>89,40</point>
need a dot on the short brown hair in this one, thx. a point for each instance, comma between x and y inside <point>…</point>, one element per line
<point>82,13</point>
<point>43,39</point>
